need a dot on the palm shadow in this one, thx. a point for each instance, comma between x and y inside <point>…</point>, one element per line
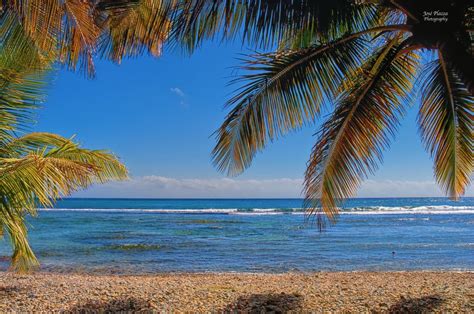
<point>125,305</point>
<point>10,291</point>
<point>266,303</point>
<point>424,304</point>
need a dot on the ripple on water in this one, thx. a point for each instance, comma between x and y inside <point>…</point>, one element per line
<point>133,247</point>
<point>209,221</point>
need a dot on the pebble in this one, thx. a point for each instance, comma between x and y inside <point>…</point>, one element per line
<point>339,292</point>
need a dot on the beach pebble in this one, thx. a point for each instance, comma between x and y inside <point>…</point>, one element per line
<point>393,292</point>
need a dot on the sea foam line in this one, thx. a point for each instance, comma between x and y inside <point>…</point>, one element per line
<point>374,210</point>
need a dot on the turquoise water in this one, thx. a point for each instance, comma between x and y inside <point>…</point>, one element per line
<point>250,235</point>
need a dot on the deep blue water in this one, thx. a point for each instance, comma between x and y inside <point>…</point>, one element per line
<point>250,235</point>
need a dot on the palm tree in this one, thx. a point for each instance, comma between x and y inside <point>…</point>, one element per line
<point>368,58</point>
<point>36,168</point>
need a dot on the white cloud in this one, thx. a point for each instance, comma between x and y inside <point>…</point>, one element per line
<point>159,186</point>
<point>177,91</point>
<point>401,188</point>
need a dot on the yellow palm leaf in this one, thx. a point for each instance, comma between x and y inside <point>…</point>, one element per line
<point>43,167</point>
<point>351,141</point>
<point>447,122</point>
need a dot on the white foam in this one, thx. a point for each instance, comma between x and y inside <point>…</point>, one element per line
<point>403,210</point>
<point>410,212</point>
<point>141,210</point>
<point>411,208</point>
<point>374,210</point>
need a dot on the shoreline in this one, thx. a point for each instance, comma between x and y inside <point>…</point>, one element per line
<point>354,291</point>
<point>122,273</point>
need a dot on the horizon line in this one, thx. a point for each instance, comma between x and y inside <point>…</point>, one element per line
<point>251,198</point>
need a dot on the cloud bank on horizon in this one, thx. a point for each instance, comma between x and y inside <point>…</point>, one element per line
<point>165,187</point>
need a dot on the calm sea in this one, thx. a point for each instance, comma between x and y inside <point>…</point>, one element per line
<point>250,235</point>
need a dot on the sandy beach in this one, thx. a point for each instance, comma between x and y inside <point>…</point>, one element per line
<point>390,292</point>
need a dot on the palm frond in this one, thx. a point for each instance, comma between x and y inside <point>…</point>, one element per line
<point>38,152</point>
<point>42,167</point>
<point>284,91</point>
<point>351,141</point>
<point>61,30</point>
<point>263,23</point>
<point>446,123</point>
<point>23,77</point>
<point>31,142</point>
<point>72,31</point>
<point>40,19</point>
<point>133,28</point>
<point>461,60</point>
<point>20,93</point>
<point>23,257</point>
<point>50,30</point>
<point>19,51</point>
<point>79,35</point>
<point>38,167</point>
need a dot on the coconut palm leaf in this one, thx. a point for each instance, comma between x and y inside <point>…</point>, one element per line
<point>370,95</point>
<point>79,35</point>
<point>284,91</point>
<point>39,19</point>
<point>263,23</point>
<point>55,171</point>
<point>23,256</point>
<point>74,30</point>
<point>461,60</point>
<point>446,123</point>
<point>17,50</point>
<point>20,93</point>
<point>18,97</point>
<point>351,141</point>
<point>66,28</point>
<point>134,27</point>
<point>38,167</point>
<point>42,167</point>
<point>22,75</point>
<point>18,146</point>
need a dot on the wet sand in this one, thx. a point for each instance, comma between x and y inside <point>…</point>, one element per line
<point>388,292</point>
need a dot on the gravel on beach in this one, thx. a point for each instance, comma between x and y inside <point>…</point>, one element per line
<point>387,292</point>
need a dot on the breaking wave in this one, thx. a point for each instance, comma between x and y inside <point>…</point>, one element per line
<point>370,210</point>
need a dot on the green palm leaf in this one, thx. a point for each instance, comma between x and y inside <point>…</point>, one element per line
<point>284,91</point>
<point>352,140</point>
<point>42,167</point>
<point>446,122</point>
<point>38,167</point>
<point>21,90</point>
<point>23,256</point>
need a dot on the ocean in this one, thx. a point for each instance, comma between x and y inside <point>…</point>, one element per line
<point>140,236</point>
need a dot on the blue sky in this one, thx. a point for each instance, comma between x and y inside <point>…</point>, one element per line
<point>158,114</point>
